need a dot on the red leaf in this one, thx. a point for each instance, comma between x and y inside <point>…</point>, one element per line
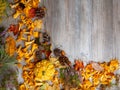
<point>14,29</point>
<point>32,12</point>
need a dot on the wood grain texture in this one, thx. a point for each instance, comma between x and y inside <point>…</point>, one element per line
<point>86,29</point>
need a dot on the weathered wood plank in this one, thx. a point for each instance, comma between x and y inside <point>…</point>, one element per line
<point>102,32</point>
<point>116,26</point>
<point>87,29</point>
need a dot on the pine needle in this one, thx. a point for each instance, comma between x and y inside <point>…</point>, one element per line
<point>6,71</point>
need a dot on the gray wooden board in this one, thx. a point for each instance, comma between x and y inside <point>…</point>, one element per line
<point>85,29</point>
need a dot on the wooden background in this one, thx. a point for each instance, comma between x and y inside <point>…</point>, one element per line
<point>86,29</point>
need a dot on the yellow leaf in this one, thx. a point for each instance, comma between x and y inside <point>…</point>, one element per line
<point>10,45</point>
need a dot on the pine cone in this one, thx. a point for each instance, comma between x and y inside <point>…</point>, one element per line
<point>64,60</point>
<point>57,52</point>
<point>40,12</point>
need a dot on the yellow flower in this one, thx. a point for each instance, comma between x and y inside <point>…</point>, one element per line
<point>44,70</point>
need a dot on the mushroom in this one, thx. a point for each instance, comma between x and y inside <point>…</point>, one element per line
<point>29,59</point>
<point>28,43</point>
<point>34,47</point>
<point>14,5</point>
<point>28,55</point>
<point>26,48</point>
